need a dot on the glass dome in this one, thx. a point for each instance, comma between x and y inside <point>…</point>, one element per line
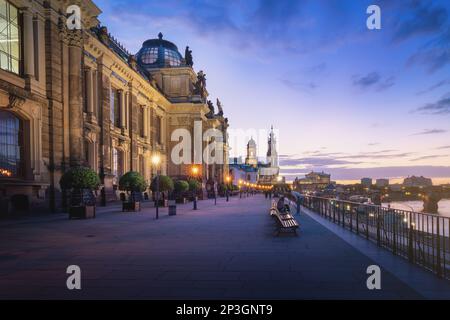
<point>159,53</point>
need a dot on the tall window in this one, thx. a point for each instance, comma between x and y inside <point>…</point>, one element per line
<point>115,107</point>
<point>9,37</point>
<point>11,145</point>
<point>141,121</point>
<point>118,162</point>
<point>142,164</point>
<point>158,129</point>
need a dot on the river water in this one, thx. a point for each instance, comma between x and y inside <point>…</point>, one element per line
<point>444,206</point>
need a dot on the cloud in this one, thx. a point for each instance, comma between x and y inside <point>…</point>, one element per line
<point>440,107</point>
<point>310,162</point>
<point>443,148</point>
<point>435,86</point>
<point>373,144</point>
<point>299,86</point>
<point>435,54</point>
<point>373,80</point>
<point>429,157</point>
<point>424,19</point>
<point>379,172</point>
<point>430,131</point>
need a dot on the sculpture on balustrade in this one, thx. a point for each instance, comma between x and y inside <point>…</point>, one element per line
<point>210,114</point>
<point>188,57</point>
<point>200,84</point>
<point>219,106</point>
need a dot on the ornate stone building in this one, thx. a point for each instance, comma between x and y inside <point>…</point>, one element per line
<point>77,97</point>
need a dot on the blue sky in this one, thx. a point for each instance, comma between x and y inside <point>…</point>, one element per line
<point>346,100</point>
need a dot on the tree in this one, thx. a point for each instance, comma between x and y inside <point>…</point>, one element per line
<point>181,186</point>
<point>132,181</point>
<point>165,184</point>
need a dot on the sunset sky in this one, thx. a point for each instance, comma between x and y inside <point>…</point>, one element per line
<point>344,99</point>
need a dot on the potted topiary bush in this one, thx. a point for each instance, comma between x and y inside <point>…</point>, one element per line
<point>80,182</point>
<point>180,187</point>
<point>194,187</point>
<point>134,184</point>
<point>165,186</point>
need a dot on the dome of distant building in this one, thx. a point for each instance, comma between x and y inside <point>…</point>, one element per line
<point>159,53</point>
<point>251,142</point>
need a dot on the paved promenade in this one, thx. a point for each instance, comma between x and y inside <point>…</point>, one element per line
<point>223,251</point>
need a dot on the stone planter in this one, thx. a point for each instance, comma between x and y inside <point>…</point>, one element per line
<point>82,212</point>
<point>128,206</point>
<point>172,208</point>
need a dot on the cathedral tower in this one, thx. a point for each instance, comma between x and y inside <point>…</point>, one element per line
<point>272,154</point>
<point>251,153</point>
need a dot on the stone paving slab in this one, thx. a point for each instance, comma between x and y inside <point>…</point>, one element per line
<point>217,252</point>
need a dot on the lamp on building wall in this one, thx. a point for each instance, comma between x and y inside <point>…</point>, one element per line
<point>156,160</point>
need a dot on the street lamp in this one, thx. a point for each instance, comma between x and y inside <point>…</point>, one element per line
<point>195,172</point>
<point>156,160</point>
<point>228,179</point>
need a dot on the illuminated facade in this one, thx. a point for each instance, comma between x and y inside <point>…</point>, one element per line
<point>77,97</point>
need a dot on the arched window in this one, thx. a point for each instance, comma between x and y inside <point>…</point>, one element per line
<point>11,145</point>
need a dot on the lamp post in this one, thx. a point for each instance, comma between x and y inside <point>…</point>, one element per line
<point>156,160</point>
<point>228,179</point>
<point>194,172</point>
<point>240,188</point>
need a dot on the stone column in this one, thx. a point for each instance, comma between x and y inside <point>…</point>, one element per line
<point>40,26</point>
<point>28,43</point>
<point>145,129</point>
<point>75,38</point>
<point>122,109</point>
<point>89,92</point>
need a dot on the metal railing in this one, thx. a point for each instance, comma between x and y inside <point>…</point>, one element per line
<point>421,238</point>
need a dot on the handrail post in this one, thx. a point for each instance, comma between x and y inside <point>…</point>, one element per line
<point>438,249</point>
<point>394,243</point>
<point>378,228</point>
<point>351,218</point>
<point>367,223</point>
<point>410,240</point>
<point>357,222</point>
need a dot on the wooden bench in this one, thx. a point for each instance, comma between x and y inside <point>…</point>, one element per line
<point>284,222</point>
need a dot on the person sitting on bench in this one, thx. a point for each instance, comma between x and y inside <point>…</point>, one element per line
<point>281,205</point>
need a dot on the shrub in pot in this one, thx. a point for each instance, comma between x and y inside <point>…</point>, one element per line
<point>80,182</point>
<point>165,186</point>
<point>181,187</point>
<point>194,187</point>
<point>134,184</point>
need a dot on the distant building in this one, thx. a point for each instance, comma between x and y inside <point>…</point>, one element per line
<point>382,183</point>
<point>417,182</point>
<point>395,187</point>
<point>241,172</point>
<point>313,181</point>
<point>366,182</point>
<point>251,153</point>
<point>269,173</point>
<point>254,171</point>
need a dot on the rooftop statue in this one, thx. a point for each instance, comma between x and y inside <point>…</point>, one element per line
<point>200,85</point>
<point>210,114</point>
<point>188,57</point>
<point>132,62</point>
<point>219,106</point>
<point>104,35</point>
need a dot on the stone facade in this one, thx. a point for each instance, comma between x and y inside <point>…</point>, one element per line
<point>82,99</point>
